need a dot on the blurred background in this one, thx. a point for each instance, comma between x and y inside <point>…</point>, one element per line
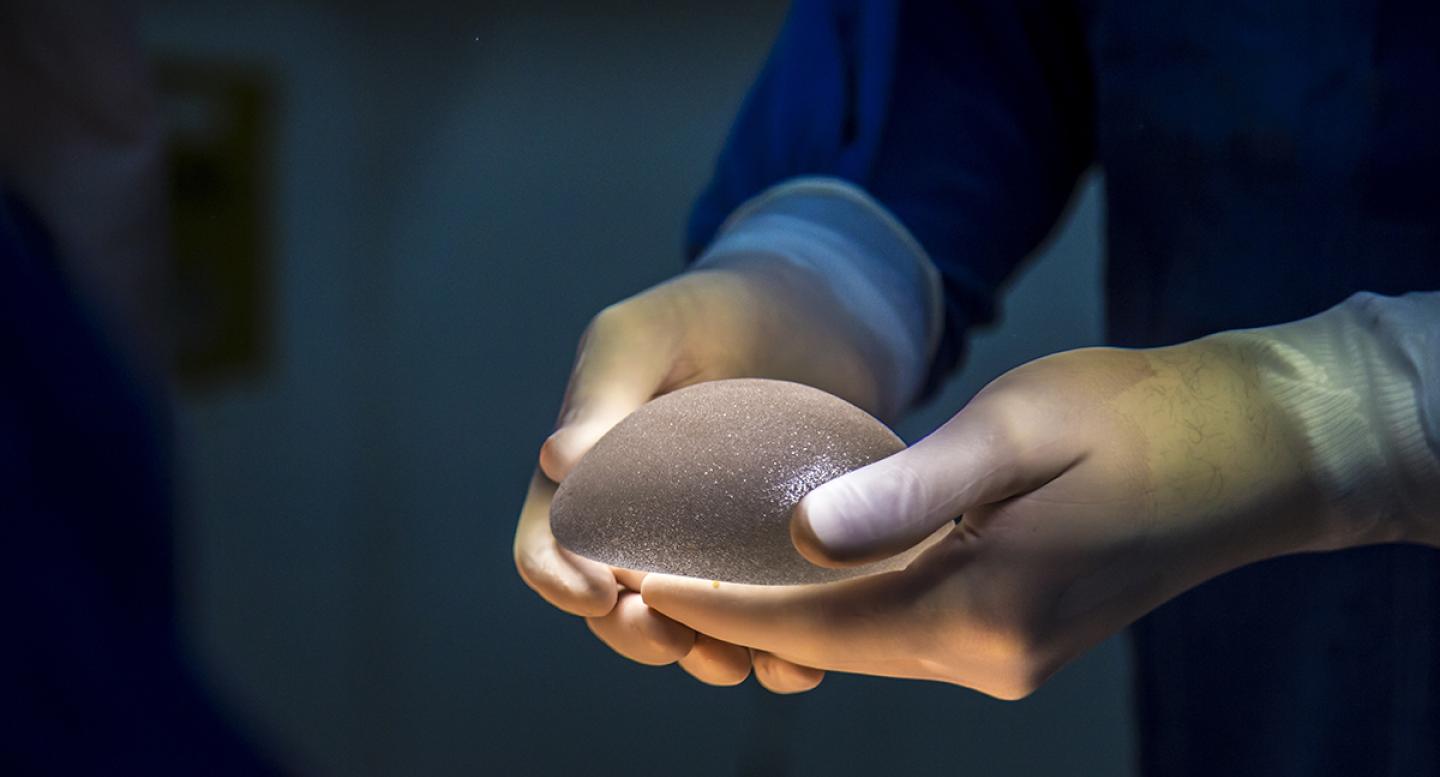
<point>392,225</point>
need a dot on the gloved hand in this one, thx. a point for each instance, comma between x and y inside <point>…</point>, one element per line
<point>1094,485</point>
<point>745,319</point>
<point>811,282</point>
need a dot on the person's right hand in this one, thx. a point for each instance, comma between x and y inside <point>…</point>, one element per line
<point>754,318</point>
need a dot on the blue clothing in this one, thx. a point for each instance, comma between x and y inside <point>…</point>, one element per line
<point>1263,162</point>
<point>92,676</point>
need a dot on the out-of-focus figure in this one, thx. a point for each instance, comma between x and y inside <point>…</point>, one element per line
<point>93,677</point>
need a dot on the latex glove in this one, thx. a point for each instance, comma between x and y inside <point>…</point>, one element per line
<point>1094,485</point>
<point>748,319</point>
<point>811,282</point>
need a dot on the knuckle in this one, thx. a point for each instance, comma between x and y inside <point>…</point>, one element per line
<point>576,594</point>
<point>768,674</point>
<point>527,566</point>
<point>667,642</point>
<point>712,670</point>
<point>614,636</point>
<point>538,579</point>
<point>1007,423</point>
<point>597,329</point>
<point>609,320</point>
<point>553,457</point>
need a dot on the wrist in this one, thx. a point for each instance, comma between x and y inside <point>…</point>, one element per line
<point>1226,459</point>
<point>851,265</point>
<point>1352,387</point>
<point>778,327</point>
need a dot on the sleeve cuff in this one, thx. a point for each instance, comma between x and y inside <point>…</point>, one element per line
<point>1362,381</point>
<point>862,256</point>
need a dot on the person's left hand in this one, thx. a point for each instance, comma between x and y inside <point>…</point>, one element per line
<point>1094,485</point>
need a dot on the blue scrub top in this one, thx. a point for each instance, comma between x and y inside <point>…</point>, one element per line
<point>1263,161</point>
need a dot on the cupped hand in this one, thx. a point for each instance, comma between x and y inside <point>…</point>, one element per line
<point>752,319</point>
<point>1094,485</point>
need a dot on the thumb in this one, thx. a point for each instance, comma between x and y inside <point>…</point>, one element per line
<point>979,457</point>
<point>619,368</point>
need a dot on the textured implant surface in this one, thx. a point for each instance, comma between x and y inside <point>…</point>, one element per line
<point>700,482</point>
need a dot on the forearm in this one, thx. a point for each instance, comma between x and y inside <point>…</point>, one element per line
<point>1360,387</point>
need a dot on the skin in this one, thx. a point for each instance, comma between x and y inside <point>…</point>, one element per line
<point>1094,485</point>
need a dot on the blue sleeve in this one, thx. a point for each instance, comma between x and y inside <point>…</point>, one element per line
<point>970,121</point>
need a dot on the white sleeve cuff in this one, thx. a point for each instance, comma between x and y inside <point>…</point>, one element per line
<point>860,255</point>
<point>1362,381</point>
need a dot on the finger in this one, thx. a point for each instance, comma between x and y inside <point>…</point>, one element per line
<point>629,578</point>
<point>641,634</point>
<point>979,457</point>
<point>716,663</point>
<point>824,626</point>
<point>620,367</point>
<point>572,583</point>
<point>781,676</point>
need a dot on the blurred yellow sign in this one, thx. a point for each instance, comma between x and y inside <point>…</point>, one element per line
<point>220,163</point>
